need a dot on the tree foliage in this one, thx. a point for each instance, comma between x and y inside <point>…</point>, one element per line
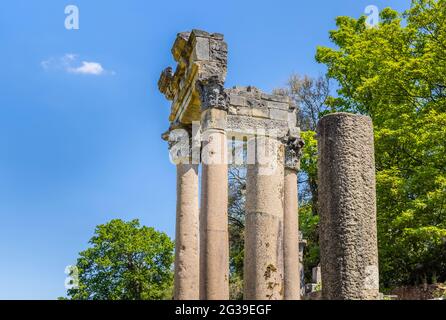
<point>396,73</point>
<point>236,213</point>
<point>126,261</point>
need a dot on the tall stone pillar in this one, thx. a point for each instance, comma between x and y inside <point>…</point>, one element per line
<point>263,263</point>
<point>347,207</point>
<point>187,259</point>
<point>214,241</point>
<point>290,221</point>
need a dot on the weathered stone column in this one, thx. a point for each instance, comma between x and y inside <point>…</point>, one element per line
<point>187,259</point>
<point>290,221</point>
<point>214,241</point>
<point>347,207</point>
<point>263,263</point>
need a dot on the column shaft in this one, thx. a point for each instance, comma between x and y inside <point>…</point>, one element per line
<point>347,207</point>
<point>291,237</point>
<point>187,259</point>
<point>263,263</point>
<point>214,242</point>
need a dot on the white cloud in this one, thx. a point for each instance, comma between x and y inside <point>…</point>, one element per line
<point>93,68</point>
<point>70,57</point>
<point>70,63</point>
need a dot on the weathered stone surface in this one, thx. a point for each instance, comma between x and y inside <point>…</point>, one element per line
<point>180,46</point>
<point>274,112</point>
<point>201,49</point>
<point>249,126</point>
<point>214,241</point>
<point>278,105</point>
<point>178,138</point>
<point>291,237</point>
<point>281,115</point>
<point>244,111</point>
<point>261,113</point>
<point>218,49</point>
<point>347,207</point>
<point>237,100</point>
<point>214,119</point>
<point>293,149</point>
<point>263,267</point>
<point>212,94</point>
<point>275,98</point>
<point>164,82</point>
<point>187,258</point>
<point>200,74</point>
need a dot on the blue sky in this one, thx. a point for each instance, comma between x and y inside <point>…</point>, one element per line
<point>80,143</point>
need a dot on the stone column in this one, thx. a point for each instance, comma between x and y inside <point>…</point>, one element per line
<point>214,241</point>
<point>196,90</point>
<point>187,259</point>
<point>347,208</point>
<point>263,263</point>
<point>291,223</point>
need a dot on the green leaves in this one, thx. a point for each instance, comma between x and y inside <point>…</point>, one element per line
<point>309,154</point>
<point>396,73</point>
<point>126,261</point>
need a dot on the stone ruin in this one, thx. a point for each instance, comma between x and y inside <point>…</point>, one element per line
<point>209,126</point>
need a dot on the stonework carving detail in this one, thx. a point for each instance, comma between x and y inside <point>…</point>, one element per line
<point>293,152</point>
<point>212,94</point>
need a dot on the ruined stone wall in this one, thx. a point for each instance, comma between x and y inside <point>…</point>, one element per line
<point>254,112</point>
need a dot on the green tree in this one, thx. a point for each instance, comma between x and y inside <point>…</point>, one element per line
<point>308,214</point>
<point>126,261</point>
<point>396,73</point>
<point>236,214</point>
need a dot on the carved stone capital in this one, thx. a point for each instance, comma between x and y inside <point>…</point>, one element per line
<point>212,94</point>
<point>293,151</point>
<point>183,144</point>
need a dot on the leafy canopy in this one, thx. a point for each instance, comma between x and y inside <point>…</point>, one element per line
<point>396,73</point>
<point>126,261</point>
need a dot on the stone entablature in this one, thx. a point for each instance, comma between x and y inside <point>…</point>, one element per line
<point>255,113</point>
<point>198,84</point>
